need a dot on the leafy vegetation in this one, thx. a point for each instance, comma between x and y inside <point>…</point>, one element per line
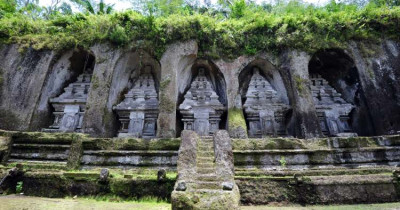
<point>18,188</point>
<point>229,29</point>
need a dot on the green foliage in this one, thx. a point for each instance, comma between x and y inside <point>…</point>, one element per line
<point>7,6</point>
<point>18,188</point>
<point>89,6</point>
<point>249,29</point>
<point>238,9</point>
<point>282,161</point>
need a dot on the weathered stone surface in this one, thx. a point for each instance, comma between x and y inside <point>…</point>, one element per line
<point>228,185</point>
<point>221,200</point>
<point>264,108</point>
<point>238,132</point>
<point>201,108</point>
<point>294,66</point>
<point>379,75</point>
<point>223,155</point>
<point>187,156</point>
<point>104,174</point>
<point>181,186</point>
<point>161,175</point>
<point>333,112</point>
<point>23,75</point>
<point>138,112</point>
<point>98,115</point>
<point>175,63</point>
<point>70,106</point>
<point>30,79</point>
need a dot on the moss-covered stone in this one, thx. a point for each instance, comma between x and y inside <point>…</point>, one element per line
<point>237,123</point>
<point>212,200</point>
<point>267,143</point>
<point>131,144</point>
<point>5,148</point>
<point>75,153</point>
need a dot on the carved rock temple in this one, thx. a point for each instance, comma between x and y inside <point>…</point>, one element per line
<point>201,108</point>
<point>265,110</point>
<point>70,106</point>
<point>138,112</point>
<point>175,116</point>
<point>332,110</point>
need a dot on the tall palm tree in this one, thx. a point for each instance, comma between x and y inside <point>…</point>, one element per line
<point>91,7</point>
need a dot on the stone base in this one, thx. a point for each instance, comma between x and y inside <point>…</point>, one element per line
<point>206,199</point>
<point>50,130</point>
<point>131,135</point>
<point>347,135</point>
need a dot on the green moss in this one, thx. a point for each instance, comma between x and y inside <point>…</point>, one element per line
<point>302,26</point>
<point>131,144</point>
<point>75,153</point>
<point>166,104</point>
<point>236,119</point>
<point>95,82</point>
<point>267,143</point>
<point>301,84</point>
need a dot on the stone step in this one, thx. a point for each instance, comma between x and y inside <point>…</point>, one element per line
<point>207,177</point>
<point>206,147</point>
<point>205,159</point>
<point>205,170</point>
<point>60,141</point>
<point>208,185</point>
<point>42,146</point>
<point>40,156</point>
<point>38,161</point>
<point>207,142</point>
<point>205,165</point>
<point>205,153</point>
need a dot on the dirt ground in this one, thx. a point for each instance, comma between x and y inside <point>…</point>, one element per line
<point>18,202</point>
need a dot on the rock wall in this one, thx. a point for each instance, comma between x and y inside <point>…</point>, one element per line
<point>30,78</point>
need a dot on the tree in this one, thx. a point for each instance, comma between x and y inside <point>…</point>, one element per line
<point>7,6</point>
<point>91,7</point>
<point>236,8</point>
<point>161,7</point>
<point>57,7</point>
<point>30,8</point>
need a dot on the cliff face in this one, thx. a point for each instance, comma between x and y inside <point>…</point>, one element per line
<point>378,69</point>
<point>367,77</point>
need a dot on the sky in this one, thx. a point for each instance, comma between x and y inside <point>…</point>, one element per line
<point>123,5</point>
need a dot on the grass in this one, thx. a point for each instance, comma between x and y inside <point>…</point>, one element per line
<point>383,206</point>
<point>12,202</point>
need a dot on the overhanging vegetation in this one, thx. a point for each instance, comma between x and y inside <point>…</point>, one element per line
<point>252,29</point>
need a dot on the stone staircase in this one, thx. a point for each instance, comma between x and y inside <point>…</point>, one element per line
<point>28,150</point>
<point>206,178</point>
<point>205,173</point>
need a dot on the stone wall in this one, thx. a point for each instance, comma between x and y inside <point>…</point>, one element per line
<point>29,79</point>
<point>282,154</point>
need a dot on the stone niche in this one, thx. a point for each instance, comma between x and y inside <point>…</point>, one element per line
<point>138,111</point>
<point>264,100</point>
<point>201,109</point>
<point>338,94</point>
<point>264,108</point>
<point>332,110</point>
<point>70,106</point>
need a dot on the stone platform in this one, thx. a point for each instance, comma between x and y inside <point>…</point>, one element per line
<point>325,171</point>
